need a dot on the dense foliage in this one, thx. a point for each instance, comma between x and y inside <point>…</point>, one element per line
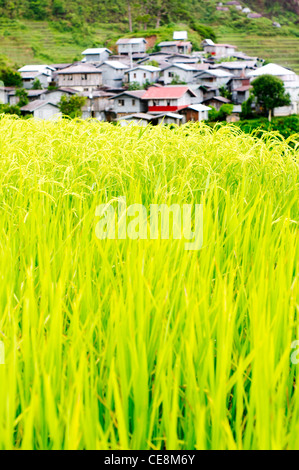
<point>138,14</point>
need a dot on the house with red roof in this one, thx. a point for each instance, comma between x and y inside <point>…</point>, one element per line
<point>169,98</point>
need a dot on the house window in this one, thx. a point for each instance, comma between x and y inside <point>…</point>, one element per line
<point>168,103</point>
<point>144,75</point>
<point>133,102</point>
<point>121,102</point>
<point>84,77</point>
<point>155,103</point>
<point>70,77</point>
<point>135,75</point>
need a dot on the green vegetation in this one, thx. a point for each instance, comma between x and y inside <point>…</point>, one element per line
<point>221,115</point>
<point>269,93</point>
<point>71,106</point>
<point>288,126</point>
<point>140,344</point>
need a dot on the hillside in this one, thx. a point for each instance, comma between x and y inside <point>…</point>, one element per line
<point>57,31</point>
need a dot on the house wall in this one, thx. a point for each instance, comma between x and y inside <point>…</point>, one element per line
<point>27,83</point>
<point>128,107</point>
<point>169,104</point>
<point>184,75</point>
<point>97,57</point>
<point>3,97</point>
<point>112,77</point>
<point>219,51</point>
<point>131,48</point>
<point>80,81</point>
<point>46,112</point>
<point>141,76</point>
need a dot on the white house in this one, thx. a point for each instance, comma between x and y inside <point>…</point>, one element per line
<point>143,74</point>
<point>41,109</point>
<point>284,74</point>
<point>128,46</point>
<point>96,54</point>
<point>180,35</point>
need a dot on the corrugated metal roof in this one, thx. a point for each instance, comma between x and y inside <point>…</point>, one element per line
<point>95,50</point>
<point>79,68</point>
<point>171,92</point>
<point>30,107</point>
<point>123,41</point>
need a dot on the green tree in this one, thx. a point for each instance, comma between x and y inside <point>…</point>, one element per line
<point>10,77</point>
<point>37,85</point>
<point>23,97</point>
<point>270,93</point>
<point>71,106</point>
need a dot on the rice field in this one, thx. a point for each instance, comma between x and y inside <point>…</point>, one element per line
<point>140,344</point>
<point>282,50</point>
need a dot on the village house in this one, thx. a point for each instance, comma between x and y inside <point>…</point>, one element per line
<point>113,73</point>
<point>177,71</point>
<point>143,74</point>
<point>41,109</point>
<point>143,119</point>
<point>237,67</point>
<point>291,84</point>
<point>96,54</point>
<point>180,47</point>
<point>213,78</point>
<point>127,46</point>
<point>180,35</point>
<point>28,79</point>
<point>80,77</point>
<point>241,94</point>
<point>168,99</point>
<point>216,102</point>
<point>218,51</point>
<point>31,73</point>
<point>5,94</point>
<point>129,102</point>
<point>96,105</point>
<point>196,112</point>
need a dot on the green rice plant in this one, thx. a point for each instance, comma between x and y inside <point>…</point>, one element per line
<point>139,344</point>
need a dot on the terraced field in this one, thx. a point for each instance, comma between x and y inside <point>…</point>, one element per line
<point>278,49</point>
<point>35,41</point>
<point>31,42</point>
